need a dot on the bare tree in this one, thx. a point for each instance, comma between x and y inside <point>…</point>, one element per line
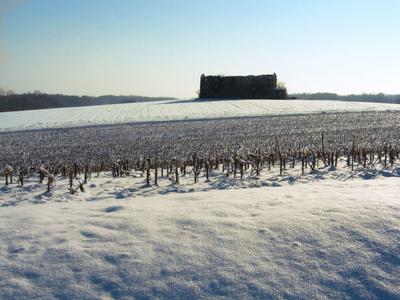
<point>281,85</point>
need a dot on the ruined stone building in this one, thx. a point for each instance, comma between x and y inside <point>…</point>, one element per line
<point>241,87</point>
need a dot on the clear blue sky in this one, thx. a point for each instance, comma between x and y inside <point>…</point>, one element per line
<point>160,48</point>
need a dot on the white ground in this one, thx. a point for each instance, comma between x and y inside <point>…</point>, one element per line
<point>174,110</point>
<point>332,233</point>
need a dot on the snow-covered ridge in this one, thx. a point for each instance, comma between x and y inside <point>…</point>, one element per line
<point>174,110</point>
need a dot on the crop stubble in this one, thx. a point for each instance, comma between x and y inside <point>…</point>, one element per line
<point>180,139</point>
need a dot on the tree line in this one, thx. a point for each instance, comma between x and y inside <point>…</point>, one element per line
<point>381,98</point>
<point>9,101</point>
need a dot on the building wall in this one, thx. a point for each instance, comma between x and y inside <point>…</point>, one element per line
<point>240,87</point>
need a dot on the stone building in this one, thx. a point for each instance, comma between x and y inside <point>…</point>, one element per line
<point>241,87</point>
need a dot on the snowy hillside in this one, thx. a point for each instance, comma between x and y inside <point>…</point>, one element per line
<point>328,233</point>
<point>175,110</point>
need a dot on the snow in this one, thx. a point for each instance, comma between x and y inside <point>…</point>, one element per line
<point>175,110</point>
<point>330,233</point>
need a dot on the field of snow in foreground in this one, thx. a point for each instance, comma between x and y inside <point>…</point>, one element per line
<point>174,110</point>
<point>333,233</point>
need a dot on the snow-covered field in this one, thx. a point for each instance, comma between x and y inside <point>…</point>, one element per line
<point>328,234</point>
<point>175,110</point>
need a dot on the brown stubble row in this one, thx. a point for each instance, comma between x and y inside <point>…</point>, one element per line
<point>237,147</point>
